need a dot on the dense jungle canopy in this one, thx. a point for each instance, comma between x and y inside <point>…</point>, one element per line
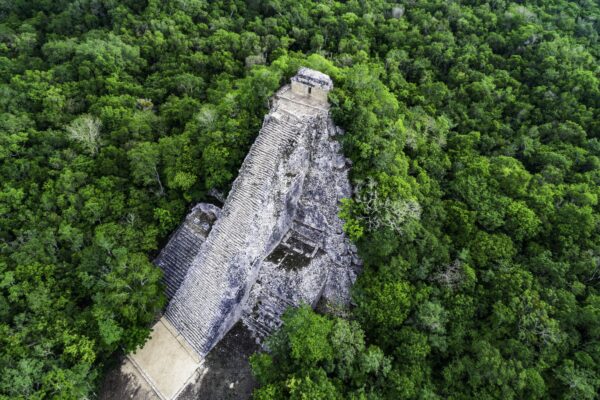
<point>474,131</point>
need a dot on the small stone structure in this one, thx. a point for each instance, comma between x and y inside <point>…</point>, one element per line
<point>313,84</point>
<point>277,242</point>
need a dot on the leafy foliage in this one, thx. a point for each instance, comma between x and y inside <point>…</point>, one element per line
<point>315,357</point>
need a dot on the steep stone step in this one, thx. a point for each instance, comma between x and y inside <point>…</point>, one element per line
<point>177,257</point>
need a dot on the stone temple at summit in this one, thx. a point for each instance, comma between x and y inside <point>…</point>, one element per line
<point>276,242</point>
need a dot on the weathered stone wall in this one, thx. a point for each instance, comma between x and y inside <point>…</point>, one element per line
<point>316,93</point>
<point>314,261</point>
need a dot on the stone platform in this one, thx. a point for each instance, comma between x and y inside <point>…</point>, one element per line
<point>167,362</point>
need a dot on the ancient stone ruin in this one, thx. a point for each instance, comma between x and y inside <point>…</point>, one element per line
<point>277,241</point>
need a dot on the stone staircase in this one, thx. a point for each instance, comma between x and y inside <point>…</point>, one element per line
<point>177,257</point>
<point>197,309</point>
<point>265,318</point>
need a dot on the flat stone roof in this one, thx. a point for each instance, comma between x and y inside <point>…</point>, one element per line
<point>312,77</point>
